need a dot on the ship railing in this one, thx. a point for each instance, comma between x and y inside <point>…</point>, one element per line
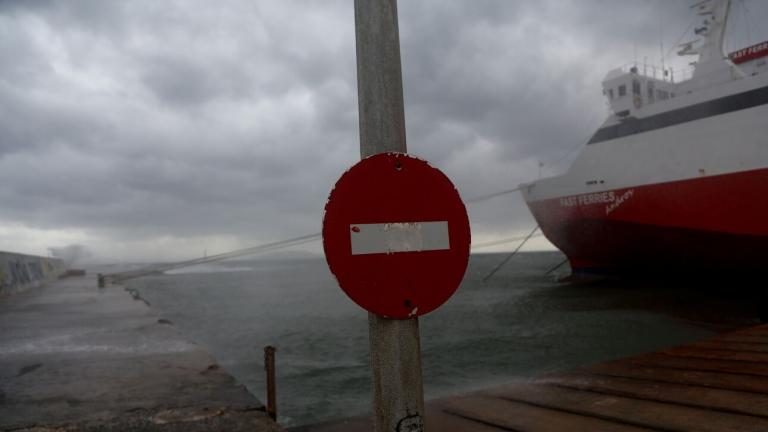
<point>665,73</point>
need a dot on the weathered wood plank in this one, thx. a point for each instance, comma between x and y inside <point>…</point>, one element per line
<point>722,380</point>
<point>517,416</point>
<point>682,394</point>
<point>752,334</point>
<point>638,412</point>
<point>437,419</point>
<point>692,351</point>
<point>728,345</point>
<point>742,338</point>
<point>760,330</point>
<point>757,335</point>
<point>702,364</point>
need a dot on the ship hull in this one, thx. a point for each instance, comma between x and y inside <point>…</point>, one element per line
<point>708,224</point>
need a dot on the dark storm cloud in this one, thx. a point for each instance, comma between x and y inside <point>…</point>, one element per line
<point>146,125</point>
<point>522,77</point>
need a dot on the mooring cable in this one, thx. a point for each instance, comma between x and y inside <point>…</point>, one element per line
<point>131,274</point>
<point>502,241</point>
<point>489,196</point>
<point>556,267</point>
<point>509,257</point>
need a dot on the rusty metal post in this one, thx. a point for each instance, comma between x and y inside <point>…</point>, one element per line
<point>269,367</point>
<point>395,350</point>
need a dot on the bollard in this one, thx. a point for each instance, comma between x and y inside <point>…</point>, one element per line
<point>269,367</point>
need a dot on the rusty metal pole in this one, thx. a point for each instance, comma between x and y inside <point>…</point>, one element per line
<point>269,367</point>
<point>398,395</point>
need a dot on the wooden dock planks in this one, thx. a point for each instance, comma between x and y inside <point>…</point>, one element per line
<point>727,381</point>
<point>720,384</point>
<point>513,415</point>
<point>701,364</point>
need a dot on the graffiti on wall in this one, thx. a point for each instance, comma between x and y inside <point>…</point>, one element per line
<point>17,271</point>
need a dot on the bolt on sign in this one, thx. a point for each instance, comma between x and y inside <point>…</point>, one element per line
<point>396,235</point>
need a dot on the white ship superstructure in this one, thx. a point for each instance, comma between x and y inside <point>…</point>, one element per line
<point>678,172</point>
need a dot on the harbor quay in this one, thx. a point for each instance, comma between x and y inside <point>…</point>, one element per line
<point>74,357</point>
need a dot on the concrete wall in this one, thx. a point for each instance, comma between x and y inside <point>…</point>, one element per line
<point>19,272</point>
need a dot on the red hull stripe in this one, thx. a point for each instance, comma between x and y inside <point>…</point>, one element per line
<point>718,220</point>
<point>750,53</point>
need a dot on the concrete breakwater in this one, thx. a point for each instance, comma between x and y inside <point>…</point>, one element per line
<point>77,358</point>
<point>19,272</point>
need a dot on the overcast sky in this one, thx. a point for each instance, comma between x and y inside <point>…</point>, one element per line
<point>150,130</point>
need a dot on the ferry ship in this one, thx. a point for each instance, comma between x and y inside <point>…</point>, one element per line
<point>677,176</point>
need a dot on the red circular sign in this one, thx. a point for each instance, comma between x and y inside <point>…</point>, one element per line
<point>396,235</point>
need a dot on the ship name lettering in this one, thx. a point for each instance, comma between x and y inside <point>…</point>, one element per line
<point>588,199</point>
<point>624,197</point>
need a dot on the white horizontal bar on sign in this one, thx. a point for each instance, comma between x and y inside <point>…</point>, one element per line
<point>399,237</point>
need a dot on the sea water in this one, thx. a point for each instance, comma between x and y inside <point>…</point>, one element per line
<point>521,323</point>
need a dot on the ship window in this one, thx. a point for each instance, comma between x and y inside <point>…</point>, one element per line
<point>651,93</point>
<point>663,94</point>
<point>610,93</point>
<point>622,90</point>
<point>636,87</point>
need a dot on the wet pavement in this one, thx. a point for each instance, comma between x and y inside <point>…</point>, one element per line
<point>75,357</point>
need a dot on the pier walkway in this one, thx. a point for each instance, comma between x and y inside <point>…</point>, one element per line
<point>717,385</point>
<point>74,357</point>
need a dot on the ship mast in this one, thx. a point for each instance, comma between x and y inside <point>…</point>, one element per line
<point>711,53</point>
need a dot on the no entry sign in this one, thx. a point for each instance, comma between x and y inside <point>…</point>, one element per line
<point>396,235</point>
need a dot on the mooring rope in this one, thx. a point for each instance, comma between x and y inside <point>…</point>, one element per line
<point>131,274</point>
<point>556,267</point>
<point>489,196</point>
<point>509,257</point>
<point>502,241</point>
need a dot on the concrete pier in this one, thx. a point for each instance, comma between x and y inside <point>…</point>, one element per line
<point>74,357</point>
